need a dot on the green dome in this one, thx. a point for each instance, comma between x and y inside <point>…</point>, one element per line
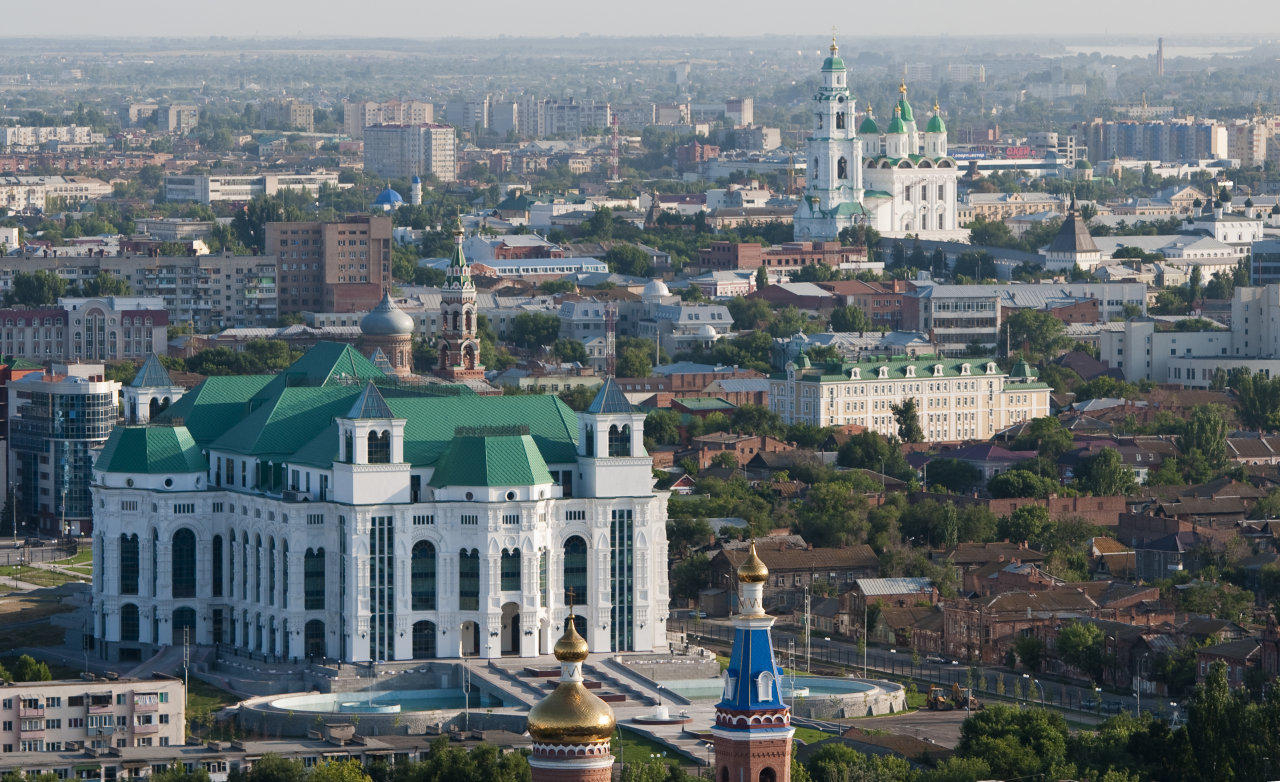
<point>833,63</point>
<point>1082,163</point>
<point>936,125</point>
<point>869,126</point>
<point>897,126</point>
<point>903,105</point>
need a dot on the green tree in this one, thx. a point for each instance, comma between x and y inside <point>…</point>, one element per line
<point>35,289</point>
<point>840,763</point>
<point>850,318</point>
<point>1257,400</point>
<point>1015,743</point>
<point>1082,645</point>
<point>177,773</point>
<point>684,535</point>
<point>250,223</point>
<point>1036,332</point>
<point>907,415</point>
<point>1030,651</point>
<point>762,278</point>
<point>1106,387</point>
<point>953,474</point>
<point>570,350</point>
<point>691,575</point>
<point>105,284</point>
<point>273,768</point>
<point>1047,436</point>
<point>870,451</point>
<point>662,426</point>
<point>578,397</point>
<point>628,259</point>
<point>534,330</point>
<point>27,669</point>
<point>1026,523</point>
<point>1021,483</point>
<point>832,515</point>
<point>1105,474</point>
<point>634,361</point>
<point>1204,439</point>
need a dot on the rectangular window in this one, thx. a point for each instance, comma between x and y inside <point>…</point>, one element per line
<point>421,520</point>
<point>470,518</point>
<point>575,515</point>
<point>511,518</point>
<point>315,518</point>
<point>184,508</point>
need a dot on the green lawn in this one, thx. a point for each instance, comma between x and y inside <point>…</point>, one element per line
<point>37,576</point>
<point>811,735</point>
<point>203,699</point>
<point>84,570</point>
<point>631,747</point>
<point>82,557</point>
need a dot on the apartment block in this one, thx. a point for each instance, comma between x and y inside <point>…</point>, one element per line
<point>73,714</point>
<point>405,151</point>
<point>86,329</point>
<point>358,115</point>
<point>333,267</point>
<point>210,292</point>
<point>289,114</point>
<point>209,189</point>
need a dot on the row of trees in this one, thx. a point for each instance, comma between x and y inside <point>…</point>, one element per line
<point>44,287</point>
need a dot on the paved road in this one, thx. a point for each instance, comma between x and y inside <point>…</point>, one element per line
<point>938,727</point>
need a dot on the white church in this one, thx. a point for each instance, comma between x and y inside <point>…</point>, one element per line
<point>899,181</point>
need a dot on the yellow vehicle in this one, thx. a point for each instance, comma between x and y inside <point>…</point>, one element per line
<point>939,699</point>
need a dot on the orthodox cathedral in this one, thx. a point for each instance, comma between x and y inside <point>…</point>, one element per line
<point>898,180</point>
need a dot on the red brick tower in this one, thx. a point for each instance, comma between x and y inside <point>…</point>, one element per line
<point>459,349</point>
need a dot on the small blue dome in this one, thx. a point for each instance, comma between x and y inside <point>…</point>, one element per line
<point>417,180</point>
<point>388,197</point>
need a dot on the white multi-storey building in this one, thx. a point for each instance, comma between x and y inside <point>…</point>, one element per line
<point>212,189</point>
<point>331,511</point>
<point>957,399</point>
<point>404,151</point>
<point>899,181</point>
<point>100,714</point>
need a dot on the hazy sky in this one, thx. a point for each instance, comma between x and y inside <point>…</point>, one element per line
<point>469,18</point>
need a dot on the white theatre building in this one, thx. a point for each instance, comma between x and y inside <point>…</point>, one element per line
<point>898,181</point>
<point>334,511</point>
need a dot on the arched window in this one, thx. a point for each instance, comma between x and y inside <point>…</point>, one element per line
<point>510,570</point>
<point>183,571</point>
<point>312,639</point>
<point>231,565</point>
<point>184,625</point>
<point>129,564</point>
<point>284,576</point>
<point>215,559</point>
<point>349,447</point>
<point>271,571</point>
<point>764,687</point>
<point>379,447</point>
<point>257,574</point>
<point>155,560</point>
<point>839,120</point>
<point>422,576</point>
<point>591,441</point>
<point>469,580</point>
<point>620,440</point>
<point>128,622</point>
<point>575,572</point>
<point>768,775</point>
<point>444,355</point>
<point>842,168</point>
<point>469,356</point>
<point>466,321</point>
<point>455,320</point>
<point>313,572</point>
<point>424,640</point>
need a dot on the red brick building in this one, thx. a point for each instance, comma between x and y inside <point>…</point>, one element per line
<point>743,447</point>
<point>789,255</point>
<point>342,266</point>
<point>881,301</point>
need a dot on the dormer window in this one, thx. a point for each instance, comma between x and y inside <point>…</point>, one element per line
<point>991,368</point>
<point>884,371</point>
<point>764,687</point>
<point>964,369</point>
<point>911,371</point>
<point>937,370</point>
<point>855,374</point>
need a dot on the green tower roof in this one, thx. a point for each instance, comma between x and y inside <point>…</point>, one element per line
<point>897,125</point>
<point>834,61</point>
<point>869,126</point>
<point>936,125</point>
<point>903,105</point>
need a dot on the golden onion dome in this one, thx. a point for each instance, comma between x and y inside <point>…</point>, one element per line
<point>571,713</point>
<point>571,648</point>
<point>753,571</point>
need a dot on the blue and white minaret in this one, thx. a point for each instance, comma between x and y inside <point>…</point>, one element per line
<point>415,191</point>
<point>753,730</point>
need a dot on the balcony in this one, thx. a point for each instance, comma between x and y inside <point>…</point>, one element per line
<point>31,733</point>
<point>103,730</point>
<point>143,730</point>
<point>100,708</point>
<point>30,711</point>
<point>146,704</point>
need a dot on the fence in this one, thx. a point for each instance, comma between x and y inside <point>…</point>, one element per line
<point>25,554</point>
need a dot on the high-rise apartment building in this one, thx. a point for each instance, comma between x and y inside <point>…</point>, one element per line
<point>56,419</point>
<point>1164,140</point>
<point>403,151</point>
<point>289,114</point>
<point>468,112</point>
<point>181,117</point>
<point>358,115</point>
<point>342,266</point>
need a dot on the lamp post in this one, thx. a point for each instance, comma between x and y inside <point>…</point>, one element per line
<point>1036,682</point>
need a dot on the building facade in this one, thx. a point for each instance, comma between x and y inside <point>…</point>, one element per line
<point>56,420</point>
<point>208,189</point>
<point>343,265</point>
<point>358,115</point>
<point>86,329</point>
<point>957,399</point>
<point>898,181</point>
<point>331,511</point>
<point>403,151</point>
<point>55,716</point>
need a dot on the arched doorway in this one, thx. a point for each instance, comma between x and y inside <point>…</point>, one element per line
<point>424,640</point>
<point>184,619</point>
<point>469,639</point>
<point>511,628</point>
<point>313,639</point>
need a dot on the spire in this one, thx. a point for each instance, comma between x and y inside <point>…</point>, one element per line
<point>459,271</point>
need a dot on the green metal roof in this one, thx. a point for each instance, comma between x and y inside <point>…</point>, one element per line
<point>936,125</point>
<point>905,108</point>
<point>324,364</point>
<point>282,424</point>
<point>896,368</point>
<point>152,450</point>
<point>869,126</point>
<point>497,460</point>
<point>215,405</point>
<point>897,126</point>
<point>833,63</point>
<point>18,363</point>
<point>610,399</point>
<point>707,403</point>
<point>152,374</point>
